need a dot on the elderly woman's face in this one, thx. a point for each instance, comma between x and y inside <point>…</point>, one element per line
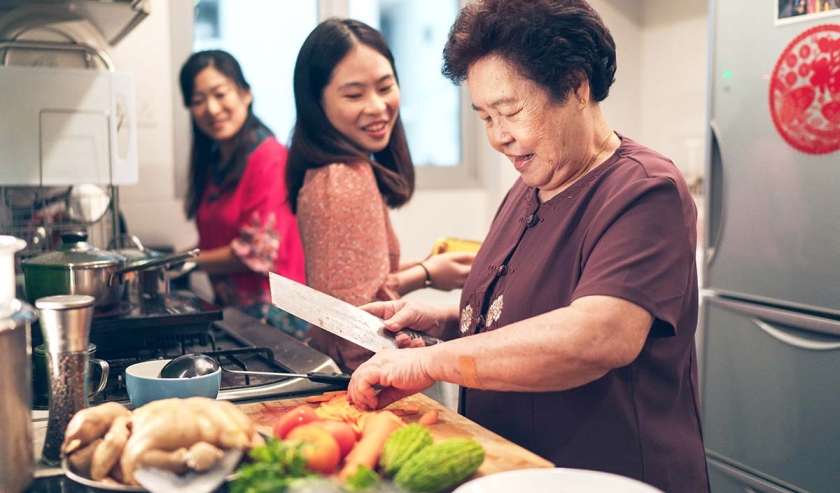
<point>543,139</point>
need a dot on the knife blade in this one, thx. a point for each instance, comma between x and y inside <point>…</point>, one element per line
<point>336,316</point>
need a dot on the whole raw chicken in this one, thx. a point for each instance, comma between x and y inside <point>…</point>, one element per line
<point>168,431</point>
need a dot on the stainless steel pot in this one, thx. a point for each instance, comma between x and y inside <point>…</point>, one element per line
<point>17,464</point>
<point>148,282</point>
<point>77,267</point>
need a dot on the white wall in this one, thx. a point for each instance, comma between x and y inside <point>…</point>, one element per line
<point>674,81</point>
<point>150,208</point>
<point>658,99</point>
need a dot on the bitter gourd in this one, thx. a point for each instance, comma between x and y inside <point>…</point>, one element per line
<point>401,445</point>
<point>440,466</point>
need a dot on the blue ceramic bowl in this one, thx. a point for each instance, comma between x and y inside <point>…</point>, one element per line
<point>144,385</point>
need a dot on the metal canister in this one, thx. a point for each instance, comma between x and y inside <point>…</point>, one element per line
<point>17,464</point>
<point>65,322</point>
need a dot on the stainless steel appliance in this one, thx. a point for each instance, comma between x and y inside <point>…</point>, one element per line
<point>771,317</point>
<point>65,323</point>
<point>16,452</point>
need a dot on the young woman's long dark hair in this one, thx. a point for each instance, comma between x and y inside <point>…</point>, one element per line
<point>202,154</point>
<point>315,141</point>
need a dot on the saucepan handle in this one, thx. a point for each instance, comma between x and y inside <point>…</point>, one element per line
<point>158,262</point>
<point>103,377</point>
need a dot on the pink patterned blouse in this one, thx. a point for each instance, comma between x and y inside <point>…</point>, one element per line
<point>351,250</point>
<point>257,222</point>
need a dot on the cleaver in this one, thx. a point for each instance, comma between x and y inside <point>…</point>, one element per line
<point>336,316</point>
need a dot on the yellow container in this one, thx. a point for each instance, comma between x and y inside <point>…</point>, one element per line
<point>444,245</point>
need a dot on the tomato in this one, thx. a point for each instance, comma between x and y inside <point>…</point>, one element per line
<point>320,448</point>
<point>298,416</point>
<point>343,433</point>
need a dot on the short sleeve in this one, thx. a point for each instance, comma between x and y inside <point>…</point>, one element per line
<point>341,216</point>
<point>639,250</point>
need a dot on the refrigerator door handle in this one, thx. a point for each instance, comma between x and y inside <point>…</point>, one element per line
<point>715,188</point>
<point>779,316</point>
<point>793,340</point>
<point>750,483</point>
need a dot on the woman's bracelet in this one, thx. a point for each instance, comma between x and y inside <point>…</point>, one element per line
<point>428,282</point>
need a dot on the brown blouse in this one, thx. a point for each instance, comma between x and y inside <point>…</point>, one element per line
<point>349,244</point>
<point>628,230</point>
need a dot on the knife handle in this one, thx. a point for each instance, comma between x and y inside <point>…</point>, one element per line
<point>429,340</point>
<point>342,379</point>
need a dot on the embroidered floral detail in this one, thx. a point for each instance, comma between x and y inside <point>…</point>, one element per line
<point>466,319</point>
<point>257,244</point>
<point>495,311</point>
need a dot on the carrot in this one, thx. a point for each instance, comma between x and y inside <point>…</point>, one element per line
<point>378,427</point>
<point>334,393</point>
<point>315,399</point>
<point>406,410</point>
<point>428,418</point>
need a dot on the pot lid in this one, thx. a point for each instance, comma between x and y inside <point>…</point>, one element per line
<point>76,252</point>
<point>130,247</point>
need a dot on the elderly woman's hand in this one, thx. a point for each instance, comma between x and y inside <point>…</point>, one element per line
<point>402,314</point>
<point>399,373</point>
<point>449,271</point>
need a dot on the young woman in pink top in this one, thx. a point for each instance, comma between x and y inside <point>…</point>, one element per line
<point>348,164</point>
<point>237,191</point>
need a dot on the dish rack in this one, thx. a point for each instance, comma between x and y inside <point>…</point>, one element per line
<point>40,215</point>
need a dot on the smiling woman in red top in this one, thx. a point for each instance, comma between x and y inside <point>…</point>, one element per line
<point>237,191</point>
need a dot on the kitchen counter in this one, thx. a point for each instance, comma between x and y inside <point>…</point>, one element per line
<point>500,454</point>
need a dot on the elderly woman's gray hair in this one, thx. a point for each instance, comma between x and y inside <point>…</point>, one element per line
<point>555,43</point>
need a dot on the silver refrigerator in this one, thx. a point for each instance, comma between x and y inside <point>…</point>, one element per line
<point>771,304</point>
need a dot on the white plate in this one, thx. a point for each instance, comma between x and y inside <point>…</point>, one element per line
<point>555,480</point>
<point>99,487</point>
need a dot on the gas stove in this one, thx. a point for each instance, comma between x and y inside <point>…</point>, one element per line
<point>167,326</point>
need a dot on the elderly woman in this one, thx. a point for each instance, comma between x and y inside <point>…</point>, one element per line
<point>575,333</point>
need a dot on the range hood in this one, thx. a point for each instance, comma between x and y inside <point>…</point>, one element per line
<point>114,19</point>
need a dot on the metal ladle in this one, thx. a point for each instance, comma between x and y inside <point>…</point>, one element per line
<point>197,364</point>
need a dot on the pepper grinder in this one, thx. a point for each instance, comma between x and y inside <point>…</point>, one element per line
<point>65,322</point>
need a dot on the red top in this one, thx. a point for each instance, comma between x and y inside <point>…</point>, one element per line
<point>628,230</point>
<point>256,220</point>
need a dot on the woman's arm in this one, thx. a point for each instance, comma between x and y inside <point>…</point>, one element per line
<point>220,260</point>
<point>445,272</point>
<point>559,350</point>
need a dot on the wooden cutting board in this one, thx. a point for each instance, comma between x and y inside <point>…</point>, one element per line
<point>499,454</point>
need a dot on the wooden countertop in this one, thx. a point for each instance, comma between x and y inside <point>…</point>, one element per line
<point>499,454</point>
